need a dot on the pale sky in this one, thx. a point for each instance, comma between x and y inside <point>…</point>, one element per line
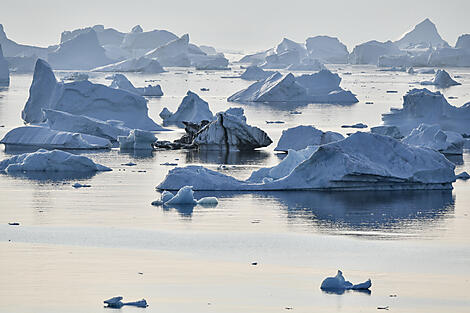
<point>246,25</point>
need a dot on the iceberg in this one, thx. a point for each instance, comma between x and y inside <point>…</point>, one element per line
<point>121,82</point>
<point>424,106</point>
<point>82,52</point>
<point>44,137</point>
<point>137,140</point>
<point>64,121</point>
<point>431,136</point>
<point>442,80</point>
<point>138,40</point>
<point>321,87</point>
<point>463,42</point>
<point>174,53</point>
<point>13,49</point>
<point>4,71</point>
<point>255,73</point>
<point>192,109</point>
<point>184,196</point>
<point>362,161</point>
<point>307,65</point>
<point>338,283</point>
<point>256,58</point>
<point>106,36</point>
<point>50,161</point>
<point>298,138</point>
<point>209,62</point>
<point>116,303</point>
<point>141,65</point>
<point>230,132</point>
<point>424,34</point>
<point>371,51</point>
<point>328,49</point>
<point>84,98</point>
<point>391,131</point>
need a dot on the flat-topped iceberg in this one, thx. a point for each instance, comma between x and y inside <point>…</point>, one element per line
<point>371,51</point>
<point>82,52</point>
<point>442,80</point>
<point>338,283</point>
<point>64,121</point>
<point>138,40</point>
<point>44,137</point>
<point>4,70</point>
<point>137,140</point>
<point>255,73</point>
<point>300,137</point>
<point>192,109</point>
<point>230,132</point>
<point>363,161</point>
<point>424,106</point>
<point>84,98</point>
<point>121,82</point>
<point>321,87</point>
<point>431,136</point>
<point>141,65</point>
<point>328,49</point>
<point>50,161</point>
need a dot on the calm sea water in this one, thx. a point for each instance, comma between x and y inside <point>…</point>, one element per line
<point>75,248</point>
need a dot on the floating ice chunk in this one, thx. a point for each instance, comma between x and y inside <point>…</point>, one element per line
<point>300,137</point>
<point>442,80</point>
<point>255,73</point>
<point>121,82</point>
<point>357,125</point>
<point>423,106</point>
<point>85,125</point>
<point>463,176</point>
<point>327,49</point>
<point>50,161</point>
<point>116,303</point>
<point>230,132</point>
<point>391,131</point>
<point>369,52</point>
<point>142,65</point>
<point>137,140</point>
<point>84,98</point>
<point>338,283</point>
<point>82,52</point>
<point>78,185</point>
<point>44,137</point>
<point>209,62</point>
<point>192,109</point>
<point>166,196</point>
<point>4,71</point>
<point>75,76</point>
<point>184,196</point>
<point>362,161</point>
<point>321,87</point>
<point>431,136</point>
<point>208,201</point>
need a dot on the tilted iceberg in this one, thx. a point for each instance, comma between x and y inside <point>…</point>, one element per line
<point>121,82</point>
<point>431,136</point>
<point>192,109</point>
<point>442,80</point>
<point>174,53</point>
<point>141,65</point>
<point>4,70</point>
<point>230,132</point>
<point>64,121</point>
<point>44,137</point>
<point>321,87</point>
<point>423,106</point>
<point>50,161</point>
<point>84,98</point>
<point>300,137</point>
<point>363,161</point>
<point>255,73</point>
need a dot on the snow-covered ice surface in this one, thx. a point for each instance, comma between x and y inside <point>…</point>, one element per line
<point>405,241</point>
<point>192,109</point>
<point>431,136</point>
<point>300,137</point>
<point>137,140</point>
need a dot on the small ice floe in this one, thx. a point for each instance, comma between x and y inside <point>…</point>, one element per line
<point>357,125</point>
<point>295,112</point>
<point>204,89</point>
<point>129,164</point>
<point>169,164</point>
<point>78,185</point>
<point>275,122</point>
<point>116,303</point>
<point>463,176</point>
<point>184,196</point>
<point>338,283</point>
<point>14,224</point>
<point>369,102</point>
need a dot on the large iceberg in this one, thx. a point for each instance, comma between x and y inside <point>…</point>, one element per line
<point>142,65</point>
<point>44,137</point>
<point>138,40</point>
<point>424,34</point>
<point>321,87</point>
<point>84,98</point>
<point>4,71</point>
<point>424,106</point>
<point>431,136</point>
<point>192,109</point>
<point>363,161</point>
<point>137,140</point>
<point>174,53</point>
<point>300,137</point>
<point>327,49</point>
<point>230,132</point>
<point>13,49</point>
<point>255,73</point>
<point>371,51</point>
<point>106,36</point>
<point>121,82</point>
<point>64,121</point>
<point>82,52</point>
<point>50,161</point>
<point>442,80</point>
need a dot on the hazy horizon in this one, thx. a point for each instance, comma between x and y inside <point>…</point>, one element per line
<point>249,26</point>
